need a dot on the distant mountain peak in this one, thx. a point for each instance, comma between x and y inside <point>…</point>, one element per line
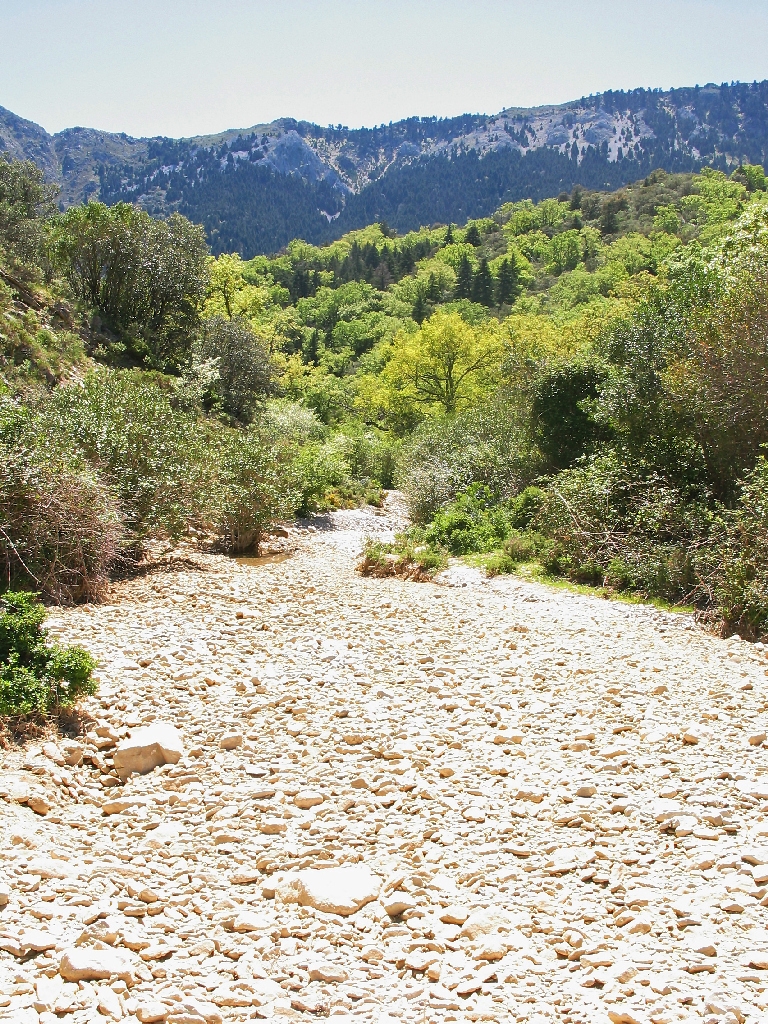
<point>256,188</point>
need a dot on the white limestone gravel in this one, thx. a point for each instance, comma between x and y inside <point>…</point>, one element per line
<point>556,807</point>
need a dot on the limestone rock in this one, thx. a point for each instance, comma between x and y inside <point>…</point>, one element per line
<point>150,1011</point>
<point>342,890</point>
<point>83,964</point>
<point>148,748</point>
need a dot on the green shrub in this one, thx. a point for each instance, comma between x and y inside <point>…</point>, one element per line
<point>408,556</point>
<point>37,677</point>
<point>473,522</point>
<point>616,523</point>
<point>524,508</point>
<point>155,458</point>
<point>256,484</point>
<point>733,568</point>
<point>490,445</point>
<point>60,527</point>
<point>518,549</point>
<point>244,368</point>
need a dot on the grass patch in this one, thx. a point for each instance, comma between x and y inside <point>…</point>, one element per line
<point>498,563</point>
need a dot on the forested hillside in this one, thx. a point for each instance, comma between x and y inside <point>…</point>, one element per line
<point>255,189</point>
<point>573,388</point>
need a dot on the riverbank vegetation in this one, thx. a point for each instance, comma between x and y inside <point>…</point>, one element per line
<point>578,384</point>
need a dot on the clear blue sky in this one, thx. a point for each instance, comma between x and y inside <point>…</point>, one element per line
<point>187,67</point>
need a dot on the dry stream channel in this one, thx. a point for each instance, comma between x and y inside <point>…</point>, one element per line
<point>389,801</point>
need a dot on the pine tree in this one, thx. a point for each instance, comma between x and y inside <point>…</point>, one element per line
<point>482,285</point>
<point>463,288</point>
<point>508,283</point>
<point>449,235</point>
<point>419,313</point>
<point>472,235</point>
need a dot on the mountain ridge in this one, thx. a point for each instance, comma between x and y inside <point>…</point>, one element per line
<point>256,188</point>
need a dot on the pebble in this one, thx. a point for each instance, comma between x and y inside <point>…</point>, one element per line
<point>302,794</point>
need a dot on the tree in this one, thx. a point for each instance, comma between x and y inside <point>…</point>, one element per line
<point>472,235</point>
<point>444,364</point>
<point>226,279</point>
<point>26,201</point>
<point>245,370</point>
<point>482,285</point>
<point>463,289</point>
<point>508,283</point>
<point>146,278</point>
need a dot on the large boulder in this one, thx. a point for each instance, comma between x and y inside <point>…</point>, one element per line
<point>342,890</point>
<point>148,748</point>
<point>84,964</point>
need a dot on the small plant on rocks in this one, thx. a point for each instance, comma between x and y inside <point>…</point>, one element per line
<point>407,556</point>
<point>37,677</point>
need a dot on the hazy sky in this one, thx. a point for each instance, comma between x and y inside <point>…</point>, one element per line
<point>187,67</point>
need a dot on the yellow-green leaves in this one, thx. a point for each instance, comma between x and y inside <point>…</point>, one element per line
<point>444,365</point>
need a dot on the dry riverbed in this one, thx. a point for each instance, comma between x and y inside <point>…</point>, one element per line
<point>390,801</point>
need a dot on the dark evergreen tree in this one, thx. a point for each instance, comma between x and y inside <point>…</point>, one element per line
<point>482,285</point>
<point>508,283</point>
<point>472,235</point>
<point>420,310</point>
<point>463,288</point>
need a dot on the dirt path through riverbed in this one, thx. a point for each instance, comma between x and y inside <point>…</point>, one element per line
<point>556,806</point>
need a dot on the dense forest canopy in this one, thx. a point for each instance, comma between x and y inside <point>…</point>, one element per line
<point>574,386</point>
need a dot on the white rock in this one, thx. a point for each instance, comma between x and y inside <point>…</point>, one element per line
<point>108,1003</point>
<point>322,970</point>
<point>342,890</point>
<point>308,798</point>
<point>151,1011</point>
<point>148,748</point>
<point>486,922</point>
<point>83,964</point>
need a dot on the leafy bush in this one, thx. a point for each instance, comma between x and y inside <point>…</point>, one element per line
<point>26,201</point>
<point>244,368</point>
<point>408,556</point>
<point>490,445</point>
<point>155,458</point>
<point>473,522</point>
<point>623,525</point>
<point>37,677</point>
<point>733,568</point>
<point>563,425</point>
<point>517,549</point>
<point>146,277</point>
<point>255,485</point>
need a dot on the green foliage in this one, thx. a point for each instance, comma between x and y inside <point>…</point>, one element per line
<point>473,522</point>
<point>145,277</point>
<point>26,202</point>
<point>623,525</point>
<point>408,556</point>
<point>733,567</point>
<point>37,677</point>
<point>255,485</point>
<point>563,423</point>
<point>489,445</point>
<point>243,369</point>
<point>152,455</point>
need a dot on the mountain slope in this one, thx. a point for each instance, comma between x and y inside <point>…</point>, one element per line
<point>257,188</point>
